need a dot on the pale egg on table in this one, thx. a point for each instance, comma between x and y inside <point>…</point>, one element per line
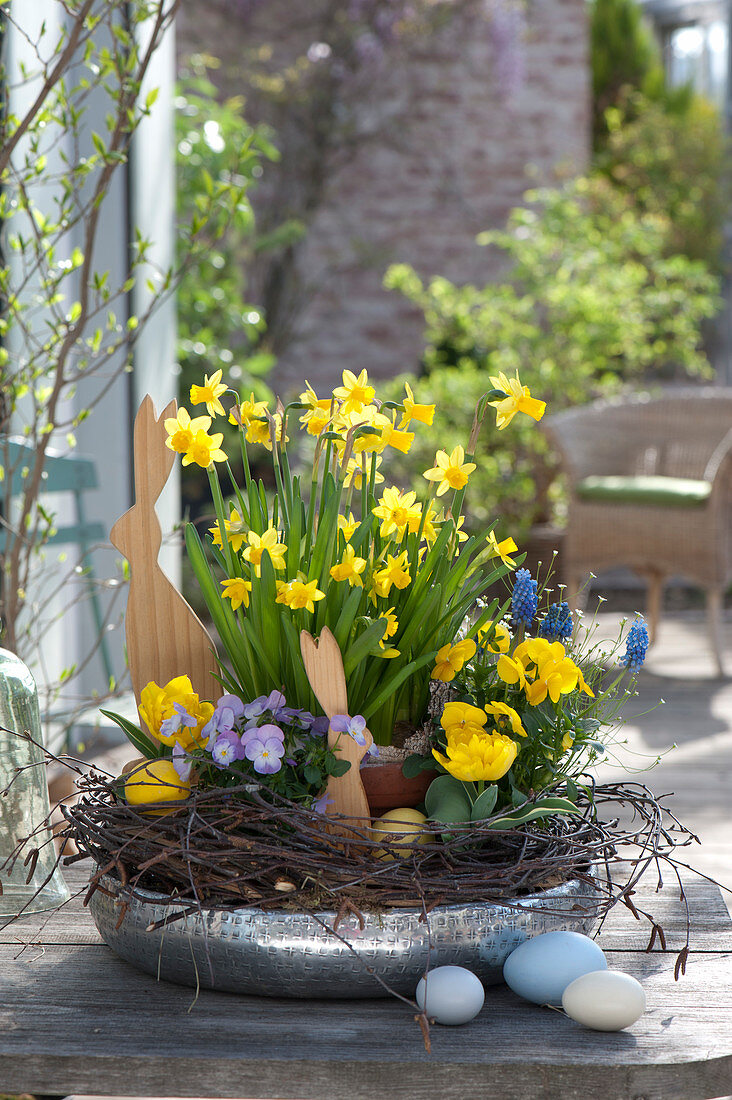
<point>540,969</point>
<point>606,1000</point>
<point>451,995</point>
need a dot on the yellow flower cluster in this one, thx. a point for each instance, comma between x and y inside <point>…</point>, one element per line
<point>542,668</point>
<point>474,753</point>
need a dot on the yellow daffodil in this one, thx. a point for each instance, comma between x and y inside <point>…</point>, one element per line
<point>204,449</point>
<point>355,392</point>
<point>209,394</point>
<point>298,594</point>
<point>317,416</point>
<point>451,658</point>
<point>506,717</point>
<point>182,430</point>
<point>354,473</point>
<point>235,531</point>
<point>462,719</point>
<point>567,742</point>
<point>517,399</point>
<point>392,436</point>
<point>175,712</point>
<point>347,526</point>
<point>243,414</point>
<point>349,568</point>
<point>482,757</point>
<point>495,640</point>
<point>394,572</point>
<point>259,543</point>
<point>366,426</point>
<point>259,431</point>
<point>450,471</point>
<point>502,550</point>
<point>396,510</point>
<point>237,590</point>
<point>412,411</point>
<point>392,625</point>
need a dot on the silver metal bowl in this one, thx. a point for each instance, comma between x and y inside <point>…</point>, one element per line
<point>283,954</point>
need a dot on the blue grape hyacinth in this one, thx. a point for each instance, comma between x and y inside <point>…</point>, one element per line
<point>556,626</point>
<point>524,599</point>
<point>636,645</point>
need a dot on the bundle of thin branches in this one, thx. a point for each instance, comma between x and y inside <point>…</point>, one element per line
<point>247,846</point>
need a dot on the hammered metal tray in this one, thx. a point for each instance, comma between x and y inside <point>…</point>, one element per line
<point>292,954</point>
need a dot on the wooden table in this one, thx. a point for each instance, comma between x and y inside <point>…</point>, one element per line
<point>76,1019</point>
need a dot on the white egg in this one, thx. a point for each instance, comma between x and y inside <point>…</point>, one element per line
<point>541,968</point>
<point>451,995</point>
<point>605,1000</point>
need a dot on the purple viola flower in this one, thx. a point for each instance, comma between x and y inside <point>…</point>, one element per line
<point>274,702</point>
<point>320,727</point>
<point>171,726</point>
<point>229,709</point>
<point>355,726</point>
<point>182,762</point>
<point>319,804</point>
<point>227,748</point>
<point>262,733</point>
<point>265,754</point>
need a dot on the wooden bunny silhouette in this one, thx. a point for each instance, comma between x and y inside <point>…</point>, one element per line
<point>165,637</point>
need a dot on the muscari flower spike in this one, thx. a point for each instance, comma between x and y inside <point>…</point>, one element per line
<point>636,645</point>
<point>524,600</point>
<point>556,626</point>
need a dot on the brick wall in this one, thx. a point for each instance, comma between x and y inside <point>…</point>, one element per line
<point>447,158</point>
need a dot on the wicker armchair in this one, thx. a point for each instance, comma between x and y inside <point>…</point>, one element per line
<point>650,482</point>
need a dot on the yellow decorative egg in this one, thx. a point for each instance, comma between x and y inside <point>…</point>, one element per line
<point>156,781</point>
<point>403,826</point>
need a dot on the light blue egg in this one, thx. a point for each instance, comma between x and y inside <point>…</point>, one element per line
<point>542,967</point>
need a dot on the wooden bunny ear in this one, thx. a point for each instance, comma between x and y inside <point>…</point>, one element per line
<point>153,459</point>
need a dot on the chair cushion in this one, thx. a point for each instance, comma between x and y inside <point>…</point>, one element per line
<point>680,492</point>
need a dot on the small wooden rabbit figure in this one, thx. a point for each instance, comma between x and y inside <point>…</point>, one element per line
<point>165,638</point>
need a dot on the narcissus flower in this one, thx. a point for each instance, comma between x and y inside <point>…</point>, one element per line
<point>182,430</point>
<point>502,550</point>
<point>391,436</point>
<point>394,572</point>
<point>349,568</point>
<point>259,543</point>
<point>354,473</point>
<point>298,594</point>
<point>237,590</point>
<point>412,411</point>
<point>355,392</point>
<point>236,531</point>
<point>450,471</point>
<point>243,414</point>
<point>204,449</point>
<point>517,399</point>
<point>392,625</point>
<point>397,510</point>
<point>481,757</point>
<point>451,658</point>
<point>260,431</point>
<point>347,525</point>
<point>209,393</point>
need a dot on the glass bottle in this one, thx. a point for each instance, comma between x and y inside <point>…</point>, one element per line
<point>24,804</point>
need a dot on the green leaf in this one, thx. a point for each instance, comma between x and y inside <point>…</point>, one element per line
<point>415,764</point>
<point>544,808</point>
<point>484,804</point>
<point>447,800</point>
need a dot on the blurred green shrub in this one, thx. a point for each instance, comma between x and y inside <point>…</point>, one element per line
<point>592,301</point>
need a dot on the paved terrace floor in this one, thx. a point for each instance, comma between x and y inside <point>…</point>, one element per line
<point>696,718</point>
